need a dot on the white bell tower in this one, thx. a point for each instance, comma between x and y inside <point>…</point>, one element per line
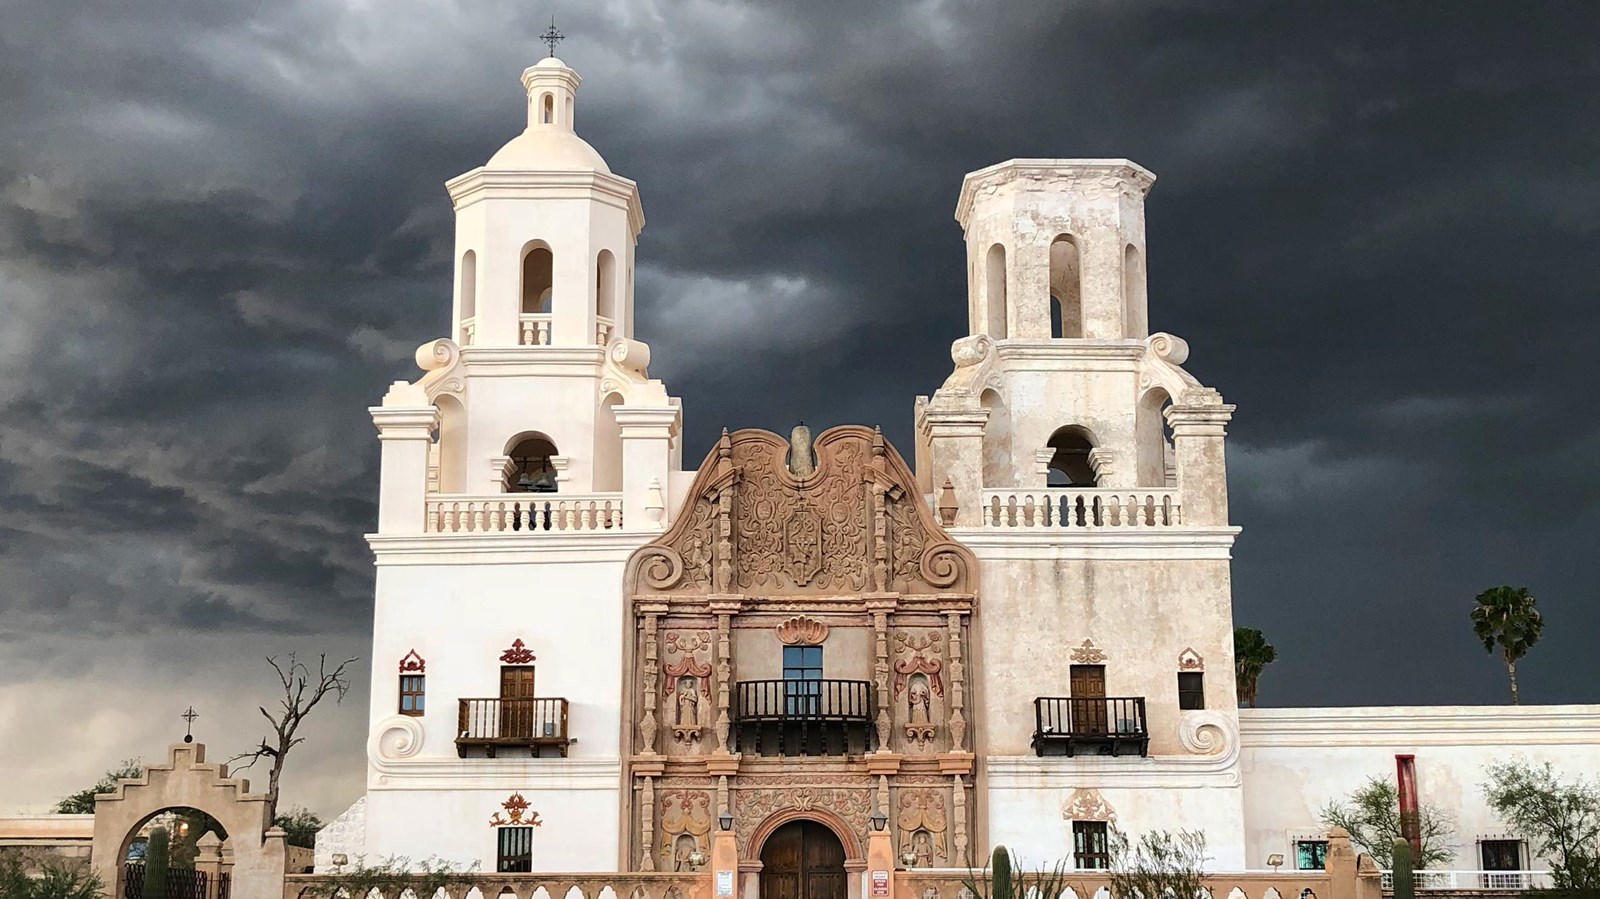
<point>545,233</point>
<point>519,472</point>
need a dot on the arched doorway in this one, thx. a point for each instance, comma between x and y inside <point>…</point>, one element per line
<point>802,860</point>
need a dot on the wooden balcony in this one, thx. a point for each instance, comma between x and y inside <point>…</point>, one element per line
<point>1115,725</point>
<point>531,724</point>
<point>804,717</point>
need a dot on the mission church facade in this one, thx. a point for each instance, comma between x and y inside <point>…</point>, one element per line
<point>588,657</point>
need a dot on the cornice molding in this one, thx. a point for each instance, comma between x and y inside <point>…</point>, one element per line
<point>1408,726</point>
<point>1089,176</point>
<point>508,548</point>
<point>526,775</point>
<point>1155,544</point>
<point>484,183</point>
<point>1165,772</point>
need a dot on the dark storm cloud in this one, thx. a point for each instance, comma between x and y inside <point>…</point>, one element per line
<point>222,232</point>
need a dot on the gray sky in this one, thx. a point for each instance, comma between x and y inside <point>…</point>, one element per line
<point>223,231</point>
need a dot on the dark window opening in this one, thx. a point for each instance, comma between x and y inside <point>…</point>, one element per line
<point>1191,690</point>
<point>411,694</point>
<point>532,471</point>
<point>1091,846</point>
<point>1069,466</point>
<point>1310,855</point>
<point>515,854</point>
<point>802,675</point>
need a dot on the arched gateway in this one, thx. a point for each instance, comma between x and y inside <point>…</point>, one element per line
<point>801,643</point>
<point>186,781</point>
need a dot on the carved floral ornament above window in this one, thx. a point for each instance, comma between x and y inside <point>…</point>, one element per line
<point>411,663</point>
<point>516,814</point>
<point>1189,660</point>
<point>1086,653</point>
<point>802,630</point>
<point>518,654</point>
<point>1088,805</point>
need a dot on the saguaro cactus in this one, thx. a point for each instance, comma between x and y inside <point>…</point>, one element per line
<point>1405,881</point>
<point>1000,874</point>
<point>155,865</point>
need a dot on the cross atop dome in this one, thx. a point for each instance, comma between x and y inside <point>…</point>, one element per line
<point>551,37</point>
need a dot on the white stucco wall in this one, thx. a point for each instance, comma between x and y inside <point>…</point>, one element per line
<point>460,603</point>
<point>1296,760</point>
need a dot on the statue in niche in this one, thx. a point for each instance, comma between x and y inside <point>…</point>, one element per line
<point>922,848</point>
<point>684,849</point>
<point>919,696</point>
<point>802,461</point>
<point>688,701</point>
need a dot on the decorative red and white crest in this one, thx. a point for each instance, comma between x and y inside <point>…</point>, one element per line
<point>411,663</point>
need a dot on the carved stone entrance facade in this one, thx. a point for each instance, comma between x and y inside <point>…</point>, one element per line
<point>802,656</point>
<point>187,781</point>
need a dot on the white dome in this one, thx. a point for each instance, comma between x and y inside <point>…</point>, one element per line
<point>548,149</point>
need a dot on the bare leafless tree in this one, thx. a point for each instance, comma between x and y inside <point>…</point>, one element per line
<point>301,693</point>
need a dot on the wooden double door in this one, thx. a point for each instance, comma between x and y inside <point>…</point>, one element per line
<point>802,860</point>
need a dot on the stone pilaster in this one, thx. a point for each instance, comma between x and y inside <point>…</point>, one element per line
<point>1198,432</point>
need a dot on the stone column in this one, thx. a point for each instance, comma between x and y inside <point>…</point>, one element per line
<point>647,824</point>
<point>880,863</point>
<point>1100,255</point>
<point>405,433</point>
<point>1198,431</point>
<point>958,684</point>
<point>956,447</point>
<point>646,459</point>
<point>652,649</point>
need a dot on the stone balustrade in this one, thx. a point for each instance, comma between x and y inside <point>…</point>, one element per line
<point>505,886</point>
<point>533,329</point>
<point>514,513</point>
<point>1081,507</point>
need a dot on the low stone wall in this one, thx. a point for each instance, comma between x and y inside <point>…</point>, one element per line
<point>520,886</point>
<point>1096,885</point>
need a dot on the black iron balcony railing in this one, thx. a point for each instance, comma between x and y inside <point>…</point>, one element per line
<point>1065,725</point>
<point>804,717</point>
<point>520,723</point>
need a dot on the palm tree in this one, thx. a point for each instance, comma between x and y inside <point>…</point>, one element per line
<point>1251,653</point>
<point>1505,617</point>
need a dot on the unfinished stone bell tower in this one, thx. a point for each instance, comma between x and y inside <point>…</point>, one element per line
<point>1085,470</point>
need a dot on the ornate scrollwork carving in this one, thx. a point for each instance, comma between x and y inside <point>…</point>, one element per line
<point>756,523</point>
<point>1088,805</point>
<point>1189,660</point>
<point>922,821</point>
<point>1086,653</point>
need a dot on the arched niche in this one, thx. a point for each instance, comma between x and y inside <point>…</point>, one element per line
<point>995,292</point>
<point>452,444</point>
<point>1066,287</point>
<point>538,274</point>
